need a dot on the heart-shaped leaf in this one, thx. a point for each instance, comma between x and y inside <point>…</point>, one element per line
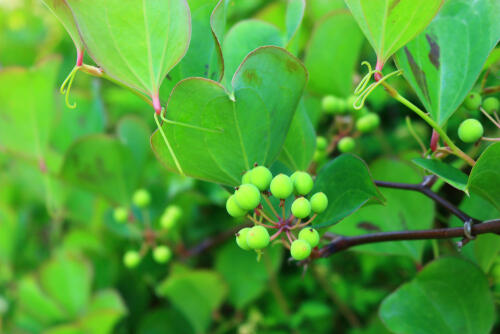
<point>64,15</point>
<point>454,177</point>
<point>484,178</point>
<point>390,24</point>
<point>348,184</point>
<point>443,63</point>
<point>451,294</point>
<point>136,42</point>
<point>216,136</point>
<point>333,53</point>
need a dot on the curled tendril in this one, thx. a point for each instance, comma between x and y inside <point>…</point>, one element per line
<point>66,86</point>
<point>362,91</point>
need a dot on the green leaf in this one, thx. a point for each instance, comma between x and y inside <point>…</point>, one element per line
<point>61,10</point>
<point>348,184</point>
<point>27,108</point>
<point>294,16</point>
<point>197,294</point>
<point>484,178</point>
<point>485,248</point>
<point>390,24</point>
<point>300,142</point>
<point>247,278</point>
<point>448,296</point>
<point>404,210</point>
<point>134,133</point>
<point>332,54</point>
<point>443,63</point>
<point>243,38</point>
<point>100,164</point>
<point>135,42</point>
<point>67,280</point>
<point>9,236</point>
<point>215,136</point>
<point>164,320</point>
<point>451,175</point>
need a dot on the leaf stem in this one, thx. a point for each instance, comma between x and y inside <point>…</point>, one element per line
<point>171,151</point>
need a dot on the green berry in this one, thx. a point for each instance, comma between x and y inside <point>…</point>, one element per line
<point>319,202</point>
<point>346,144</point>
<point>247,196</point>
<point>491,104</point>
<point>302,182</point>
<point>141,198</point>
<point>233,208</point>
<point>281,186</point>
<point>162,254</point>
<point>321,143</point>
<point>300,250</point>
<point>470,130</point>
<point>350,103</point>
<point>170,217</point>
<point>247,177</point>
<point>131,259</point>
<point>334,105</point>
<point>120,214</point>
<point>261,177</point>
<point>241,238</point>
<point>472,101</point>
<point>301,208</point>
<point>368,122</point>
<point>257,237</point>
<point>310,235</point>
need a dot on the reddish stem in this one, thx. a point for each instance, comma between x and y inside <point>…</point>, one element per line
<point>157,103</point>
<point>434,140</point>
<point>79,58</point>
<point>378,67</point>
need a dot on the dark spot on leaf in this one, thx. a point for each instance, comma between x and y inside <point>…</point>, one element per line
<point>292,66</point>
<point>368,226</point>
<point>393,4</point>
<point>434,53</point>
<point>168,77</point>
<point>418,74</point>
<point>251,76</point>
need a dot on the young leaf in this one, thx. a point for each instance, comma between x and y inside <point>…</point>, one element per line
<point>300,142</point>
<point>64,15</point>
<point>390,24</point>
<point>451,294</point>
<point>348,184</point>
<point>333,53</point>
<point>294,16</point>
<point>136,42</point>
<point>484,179</point>
<point>443,63</point>
<point>217,137</point>
<point>454,177</point>
<point>404,210</point>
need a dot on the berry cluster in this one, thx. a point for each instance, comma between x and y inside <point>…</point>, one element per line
<point>259,188</point>
<point>471,130</point>
<point>141,199</point>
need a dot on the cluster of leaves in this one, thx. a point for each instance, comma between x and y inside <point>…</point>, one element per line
<point>233,84</point>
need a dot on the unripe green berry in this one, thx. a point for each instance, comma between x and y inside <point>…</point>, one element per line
<point>170,217</point>
<point>247,177</point>
<point>470,130</point>
<point>350,103</point>
<point>131,259</point>
<point>472,101</point>
<point>141,198</point>
<point>491,104</point>
<point>162,254</point>
<point>120,214</point>
<point>241,238</point>
<point>233,208</point>
<point>281,186</point>
<point>300,250</point>
<point>302,182</point>
<point>368,122</point>
<point>346,144</point>
<point>334,105</point>
<point>321,143</point>
<point>257,237</point>
<point>319,202</point>
<point>261,177</point>
<point>247,196</point>
<point>301,208</point>
<point>310,235</point>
